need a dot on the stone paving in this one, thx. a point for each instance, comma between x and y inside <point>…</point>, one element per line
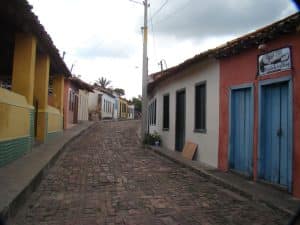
<point>106,177</point>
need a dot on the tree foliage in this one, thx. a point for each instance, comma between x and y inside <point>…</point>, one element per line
<point>120,91</point>
<point>103,82</point>
<point>137,102</point>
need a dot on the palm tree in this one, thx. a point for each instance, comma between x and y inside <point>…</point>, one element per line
<point>103,82</point>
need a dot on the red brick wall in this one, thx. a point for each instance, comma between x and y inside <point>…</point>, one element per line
<point>241,69</point>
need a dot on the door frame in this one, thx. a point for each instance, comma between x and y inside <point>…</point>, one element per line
<point>261,86</point>
<point>230,137</point>
<point>177,92</point>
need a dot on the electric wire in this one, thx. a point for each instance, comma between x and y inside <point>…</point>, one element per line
<point>181,8</point>
<point>153,36</point>
<point>160,8</point>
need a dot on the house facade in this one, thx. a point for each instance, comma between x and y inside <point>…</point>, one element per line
<point>108,106</point>
<point>102,104</point>
<point>260,104</point>
<point>123,108</point>
<point>76,97</point>
<point>184,106</point>
<point>249,89</point>
<point>131,112</point>
<point>83,105</point>
<point>29,61</point>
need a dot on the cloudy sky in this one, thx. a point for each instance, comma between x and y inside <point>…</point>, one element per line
<point>103,38</point>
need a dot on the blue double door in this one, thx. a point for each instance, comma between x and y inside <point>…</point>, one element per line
<point>275,133</point>
<point>275,152</point>
<point>241,131</point>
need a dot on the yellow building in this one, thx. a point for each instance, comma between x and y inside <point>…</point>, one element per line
<point>123,108</point>
<point>28,60</point>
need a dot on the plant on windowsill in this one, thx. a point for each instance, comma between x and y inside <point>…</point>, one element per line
<point>152,139</point>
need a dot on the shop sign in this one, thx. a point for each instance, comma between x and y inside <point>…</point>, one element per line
<point>274,61</point>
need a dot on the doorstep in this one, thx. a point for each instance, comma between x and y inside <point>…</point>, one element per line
<point>257,191</point>
<point>20,178</point>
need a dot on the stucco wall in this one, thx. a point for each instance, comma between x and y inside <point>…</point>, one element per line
<point>105,113</point>
<point>93,101</point>
<point>231,76</point>
<point>207,142</point>
<point>13,110</point>
<point>83,114</point>
<point>16,126</point>
<point>55,120</point>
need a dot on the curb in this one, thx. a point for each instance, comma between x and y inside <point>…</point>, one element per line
<point>13,207</point>
<point>219,181</point>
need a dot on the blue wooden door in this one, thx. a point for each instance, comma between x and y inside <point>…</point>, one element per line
<point>241,133</point>
<point>275,152</point>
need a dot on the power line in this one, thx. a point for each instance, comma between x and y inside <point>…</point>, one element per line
<point>162,6</point>
<point>181,8</point>
<point>153,36</point>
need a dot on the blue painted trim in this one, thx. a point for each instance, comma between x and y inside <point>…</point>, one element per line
<point>231,89</point>
<point>261,84</point>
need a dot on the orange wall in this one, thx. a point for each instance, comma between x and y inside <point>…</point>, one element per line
<point>241,69</point>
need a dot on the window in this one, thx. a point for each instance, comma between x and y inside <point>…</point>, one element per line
<point>200,107</point>
<point>152,113</point>
<point>70,100</point>
<point>166,112</point>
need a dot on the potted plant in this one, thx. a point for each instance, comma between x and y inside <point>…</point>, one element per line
<point>152,139</point>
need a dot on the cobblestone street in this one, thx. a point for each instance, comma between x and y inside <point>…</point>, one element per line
<point>105,177</point>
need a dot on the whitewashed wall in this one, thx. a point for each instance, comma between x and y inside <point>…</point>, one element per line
<point>93,100</point>
<point>105,112</point>
<point>83,99</point>
<point>130,111</point>
<point>116,111</point>
<point>207,142</point>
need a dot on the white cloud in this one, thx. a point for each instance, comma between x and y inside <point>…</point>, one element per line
<point>103,38</point>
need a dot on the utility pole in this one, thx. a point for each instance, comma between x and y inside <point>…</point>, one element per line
<point>161,65</point>
<point>145,73</point>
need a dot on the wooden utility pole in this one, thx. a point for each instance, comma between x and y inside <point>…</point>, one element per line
<point>144,129</point>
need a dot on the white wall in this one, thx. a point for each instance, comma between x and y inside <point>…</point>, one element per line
<point>116,104</point>
<point>130,111</point>
<point>83,100</point>
<point>108,110</point>
<point>207,142</point>
<point>93,101</point>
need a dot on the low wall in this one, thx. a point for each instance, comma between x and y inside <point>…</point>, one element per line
<point>54,123</point>
<point>16,126</point>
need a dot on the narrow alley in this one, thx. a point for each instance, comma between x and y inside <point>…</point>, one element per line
<point>106,177</point>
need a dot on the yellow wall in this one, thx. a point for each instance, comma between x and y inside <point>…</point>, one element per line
<point>24,65</point>
<point>124,114</point>
<point>14,115</point>
<point>55,120</point>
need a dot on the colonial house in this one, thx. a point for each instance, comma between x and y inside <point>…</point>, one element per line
<point>102,103</point>
<point>76,96</point>
<point>260,104</point>
<point>131,113</point>
<point>123,108</point>
<point>184,106</point>
<point>28,62</point>
<point>240,103</point>
<point>116,105</point>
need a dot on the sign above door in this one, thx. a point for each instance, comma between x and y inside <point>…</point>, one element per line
<point>274,61</point>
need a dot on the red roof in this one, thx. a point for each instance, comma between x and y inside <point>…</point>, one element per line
<point>285,26</point>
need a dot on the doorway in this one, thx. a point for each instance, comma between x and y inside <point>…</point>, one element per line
<point>241,130</point>
<point>276,134</point>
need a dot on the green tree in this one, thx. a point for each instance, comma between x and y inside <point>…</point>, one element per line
<point>120,91</point>
<point>137,102</point>
<point>103,82</point>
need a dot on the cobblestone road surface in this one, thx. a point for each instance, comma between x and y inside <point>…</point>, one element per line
<point>105,177</point>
